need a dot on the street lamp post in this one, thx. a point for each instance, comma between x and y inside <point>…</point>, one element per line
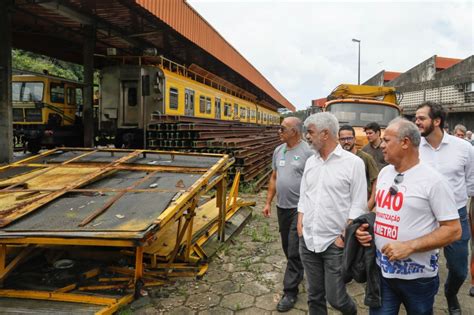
<point>358,67</point>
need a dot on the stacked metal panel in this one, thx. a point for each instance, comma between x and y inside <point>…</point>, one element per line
<point>251,145</point>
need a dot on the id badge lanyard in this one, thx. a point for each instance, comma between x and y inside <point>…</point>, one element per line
<point>282,160</point>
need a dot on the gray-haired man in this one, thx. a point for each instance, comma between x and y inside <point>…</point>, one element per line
<point>333,191</point>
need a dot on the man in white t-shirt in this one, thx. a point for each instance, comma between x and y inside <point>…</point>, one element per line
<point>454,159</point>
<point>415,216</point>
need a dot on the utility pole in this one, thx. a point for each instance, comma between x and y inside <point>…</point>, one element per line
<point>358,64</point>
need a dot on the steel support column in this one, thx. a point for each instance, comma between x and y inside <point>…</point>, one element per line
<point>88,62</point>
<point>6,125</point>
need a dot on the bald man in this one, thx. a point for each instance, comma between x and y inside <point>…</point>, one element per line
<point>288,164</point>
<point>416,215</point>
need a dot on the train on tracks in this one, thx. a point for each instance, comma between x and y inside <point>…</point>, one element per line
<point>47,110</point>
<point>131,94</point>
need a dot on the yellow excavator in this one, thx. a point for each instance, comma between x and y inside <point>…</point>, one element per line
<point>358,105</point>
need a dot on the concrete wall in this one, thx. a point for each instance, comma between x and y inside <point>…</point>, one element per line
<point>422,72</point>
<point>376,80</point>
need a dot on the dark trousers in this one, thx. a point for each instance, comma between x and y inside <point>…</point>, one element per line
<point>324,277</point>
<point>416,295</point>
<point>457,254</point>
<point>287,219</point>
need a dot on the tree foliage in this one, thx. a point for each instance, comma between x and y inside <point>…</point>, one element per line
<point>24,60</point>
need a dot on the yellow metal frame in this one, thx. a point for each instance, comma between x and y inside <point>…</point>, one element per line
<point>186,259</point>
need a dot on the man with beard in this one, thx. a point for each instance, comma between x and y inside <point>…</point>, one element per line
<point>347,141</point>
<point>454,159</point>
<point>288,165</point>
<point>333,191</point>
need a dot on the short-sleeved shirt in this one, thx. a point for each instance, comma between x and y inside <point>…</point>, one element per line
<point>376,153</point>
<point>454,159</point>
<point>289,166</point>
<point>424,198</point>
<point>371,169</point>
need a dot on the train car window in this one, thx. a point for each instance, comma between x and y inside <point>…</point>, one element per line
<point>202,104</point>
<point>27,91</point>
<point>132,99</point>
<point>71,96</point>
<point>208,105</point>
<point>79,97</point>
<point>236,110</point>
<point>57,92</point>
<point>218,107</point>
<point>227,109</point>
<point>173,98</point>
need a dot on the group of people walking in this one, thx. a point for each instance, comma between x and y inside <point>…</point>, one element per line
<point>380,214</point>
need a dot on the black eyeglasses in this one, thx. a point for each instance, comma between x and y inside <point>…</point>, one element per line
<point>346,139</point>
<point>397,180</point>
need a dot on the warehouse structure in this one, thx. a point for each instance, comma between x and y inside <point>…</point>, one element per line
<point>86,32</point>
<point>448,81</point>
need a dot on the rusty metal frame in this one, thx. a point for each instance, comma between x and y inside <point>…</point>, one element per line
<point>182,210</point>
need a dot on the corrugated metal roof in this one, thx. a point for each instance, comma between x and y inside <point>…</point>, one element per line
<point>444,63</point>
<point>56,28</point>
<point>180,16</point>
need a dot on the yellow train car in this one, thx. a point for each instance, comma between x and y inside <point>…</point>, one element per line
<point>130,94</point>
<point>46,110</point>
<point>185,96</point>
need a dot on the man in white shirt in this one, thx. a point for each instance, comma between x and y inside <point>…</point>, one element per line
<point>415,215</point>
<point>454,159</point>
<point>333,191</point>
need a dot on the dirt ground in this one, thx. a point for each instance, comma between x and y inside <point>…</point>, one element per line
<point>245,277</point>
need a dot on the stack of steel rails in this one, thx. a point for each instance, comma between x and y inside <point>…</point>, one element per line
<point>250,144</point>
<point>88,230</point>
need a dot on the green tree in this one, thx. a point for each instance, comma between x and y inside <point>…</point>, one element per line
<point>25,60</point>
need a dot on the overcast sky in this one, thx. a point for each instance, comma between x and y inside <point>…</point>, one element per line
<point>305,48</point>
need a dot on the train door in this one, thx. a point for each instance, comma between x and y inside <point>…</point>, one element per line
<point>218,108</point>
<point>130,108</point>
<point>188,102</point>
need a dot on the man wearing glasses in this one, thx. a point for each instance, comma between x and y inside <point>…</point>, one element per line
<point>333,191</point>
<point>347,141</point>
<point>454,159</point>
<point>415,216</point>
<point>288,165</point>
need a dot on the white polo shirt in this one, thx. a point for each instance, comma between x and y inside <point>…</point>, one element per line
<point>454,159</point>
<point>332,192</point>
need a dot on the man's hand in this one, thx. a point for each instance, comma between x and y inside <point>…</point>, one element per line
<point>299,225</point>
<point>267,210</point>
<point>339,242</point>
<point>363,236</point>
<point>397,250</point>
